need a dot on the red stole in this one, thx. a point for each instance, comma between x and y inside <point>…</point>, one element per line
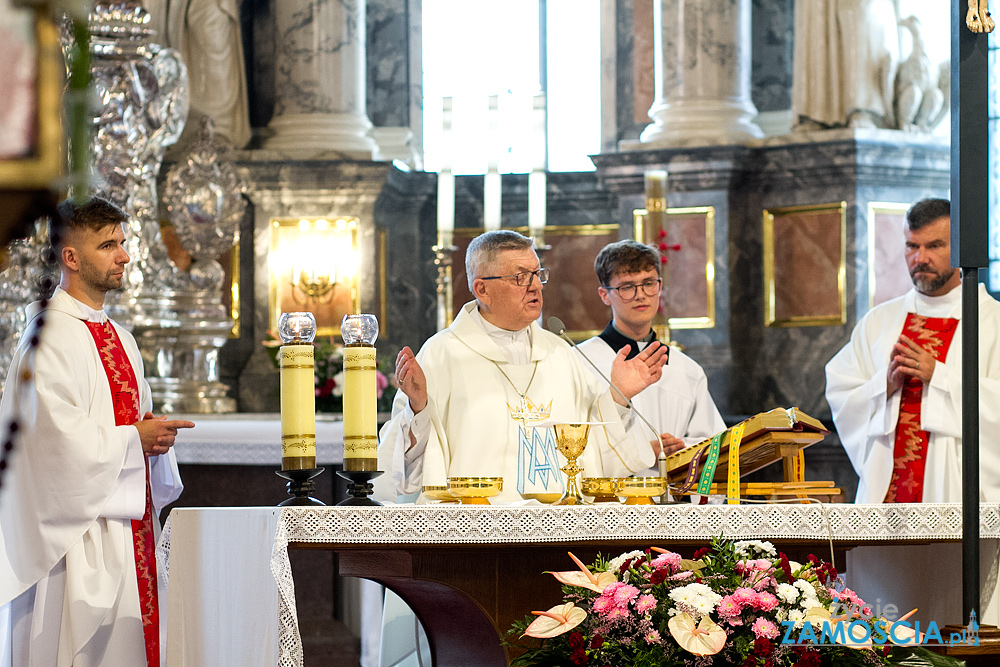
<point>125,396</point>
<point>909,452</point>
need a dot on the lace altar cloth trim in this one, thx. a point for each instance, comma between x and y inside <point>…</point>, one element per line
<point>417,524</point>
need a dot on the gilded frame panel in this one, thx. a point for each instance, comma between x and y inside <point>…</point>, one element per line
<point>886,259</point>
<point>781,231</point>
<point>280,295</point>
<point>573,299</point>
<point>643,233</point>
<point>38,167</point>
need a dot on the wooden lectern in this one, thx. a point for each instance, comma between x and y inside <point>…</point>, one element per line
<point>715,466</point>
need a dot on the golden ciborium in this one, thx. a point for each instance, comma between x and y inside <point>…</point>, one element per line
<point>571,440</point>
<point>475,490</point>
<point>642,490</point>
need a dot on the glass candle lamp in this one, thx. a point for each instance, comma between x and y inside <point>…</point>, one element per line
<point>360,393</point>
<point>298,391</point>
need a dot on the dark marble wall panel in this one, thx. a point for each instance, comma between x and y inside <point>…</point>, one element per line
<point>772,39</point>
<point>625,70</point>
<point>387,63</point>
<point>257,22</point>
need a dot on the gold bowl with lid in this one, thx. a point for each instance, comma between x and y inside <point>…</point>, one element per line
<point>475,490</point>
<point>440,493</point>
<point>642,490</point>
<point>601,489</point>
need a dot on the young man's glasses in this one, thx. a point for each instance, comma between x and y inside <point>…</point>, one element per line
<point>628,291</point>
<point>523,279</point>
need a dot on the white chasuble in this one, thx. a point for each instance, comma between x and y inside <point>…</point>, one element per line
<point>866,417</point>
<point>486,416</point>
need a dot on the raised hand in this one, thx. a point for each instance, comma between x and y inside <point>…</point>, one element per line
<point>411,380</point>
<point>633,375</point>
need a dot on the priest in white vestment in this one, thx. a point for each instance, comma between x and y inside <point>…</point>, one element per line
<point>678,405</point>
<point>476,400</point>
<point>78,519</point>
<point>895,388</point>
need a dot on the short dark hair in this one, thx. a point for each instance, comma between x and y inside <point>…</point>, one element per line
<point>481,256</point>
<point>94,213</point>
<point>926,211</point>
<point>626,256</point>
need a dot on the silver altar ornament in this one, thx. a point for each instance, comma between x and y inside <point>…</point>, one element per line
<point>204,202</point>
<point>27,275</point>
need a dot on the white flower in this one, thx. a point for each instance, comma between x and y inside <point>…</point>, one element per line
<point>808,590</point>
<point>743,548</point>
<point>798,617</point>
<point>698,599</point>
<point>338,386</point>
<point>809,603</point>
<point>787,593</point>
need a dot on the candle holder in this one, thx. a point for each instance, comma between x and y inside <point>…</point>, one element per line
<point>300,486</point>
<point>359,487</point>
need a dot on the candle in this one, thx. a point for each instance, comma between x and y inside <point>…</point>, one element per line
<point>446,202</point>
<point>536,205</point>
<point>492,197</point>
<point>360,392</point>
<point>298,391</point>
<point>656,190</point>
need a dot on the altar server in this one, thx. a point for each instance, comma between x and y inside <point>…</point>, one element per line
<point>678,404</point>
<point>474,402</point>
<point>90,468</point>
<point>895,388</point>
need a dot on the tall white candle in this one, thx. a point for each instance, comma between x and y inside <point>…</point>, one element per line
<point>536,203</point>
<point>492,194</point>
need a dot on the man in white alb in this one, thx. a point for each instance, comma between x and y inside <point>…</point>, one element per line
<point>90,469</point>
<point>895,388</point>
<point>474,402</point>
<point>678,404</point>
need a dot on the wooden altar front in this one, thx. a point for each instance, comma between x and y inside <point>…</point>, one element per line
<point>469,571</point>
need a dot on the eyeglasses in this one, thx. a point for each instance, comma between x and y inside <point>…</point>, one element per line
<point>628,291</point>
<point>523,279</point>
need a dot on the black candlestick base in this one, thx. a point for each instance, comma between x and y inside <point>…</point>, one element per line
<point>360,486</point>
<point>300,486</point>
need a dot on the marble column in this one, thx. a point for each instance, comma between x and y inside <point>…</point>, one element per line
<point>319,107</point>
<point>702,70</point>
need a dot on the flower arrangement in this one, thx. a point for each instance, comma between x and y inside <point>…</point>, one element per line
<point>736,603</point>
<point>329,375</point>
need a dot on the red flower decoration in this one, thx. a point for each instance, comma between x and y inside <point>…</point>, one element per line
<point>662,234</point>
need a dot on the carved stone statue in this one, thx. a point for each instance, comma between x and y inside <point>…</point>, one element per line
<point>846,54</point>
<point>207,34</point>
<point>921,98</point>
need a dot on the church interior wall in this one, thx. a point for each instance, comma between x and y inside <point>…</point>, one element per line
<point>751,367</point>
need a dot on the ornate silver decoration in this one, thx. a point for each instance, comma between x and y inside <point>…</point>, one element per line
<point>27,276</point>
<point>203,196</point>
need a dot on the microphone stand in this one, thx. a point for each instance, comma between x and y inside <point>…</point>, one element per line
<point>558,327</point>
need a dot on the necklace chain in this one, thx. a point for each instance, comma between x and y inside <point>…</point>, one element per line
<point>530,380</point>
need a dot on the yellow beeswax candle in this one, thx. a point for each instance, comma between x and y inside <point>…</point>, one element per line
<point>360,408</point>
<point>298,407</point>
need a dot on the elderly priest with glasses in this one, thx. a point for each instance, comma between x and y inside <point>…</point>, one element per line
<point>477,399</point>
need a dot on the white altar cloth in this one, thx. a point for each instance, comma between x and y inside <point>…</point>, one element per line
<point>245,438</point>
<point>230,587</point>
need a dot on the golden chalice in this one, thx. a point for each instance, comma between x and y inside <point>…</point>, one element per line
<point>571,440</point>
<point>642,490</point>
<point>602,489</point>
<point>475,490</point>
<point>440,493</point>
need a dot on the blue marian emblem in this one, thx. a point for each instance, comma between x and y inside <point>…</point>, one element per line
<point>537,463</point>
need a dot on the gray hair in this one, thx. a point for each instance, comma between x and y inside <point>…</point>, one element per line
<point>484,250</point>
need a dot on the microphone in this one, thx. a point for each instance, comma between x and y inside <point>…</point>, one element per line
<point>558,327</point>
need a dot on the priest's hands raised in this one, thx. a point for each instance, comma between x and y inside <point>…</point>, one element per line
<point>908,360</point>
<point>411,380</point>
<point>157,434</point>
<point>633,375</point>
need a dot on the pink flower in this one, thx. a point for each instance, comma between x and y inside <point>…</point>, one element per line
<point>625,594</point>
<point>645,603</point>
<point>744,596</point>
<point>764,601</point>
<point>765,628</point>
<point>652,637</point>
<point>680,576</point>
<point>728,607</point>
<point>381,384</point>
<point>669,560</point>
<point>616,613</point>
<point>602,605</point>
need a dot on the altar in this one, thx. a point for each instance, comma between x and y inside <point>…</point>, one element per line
<point>468,571</point>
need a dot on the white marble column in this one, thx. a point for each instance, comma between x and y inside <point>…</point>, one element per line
<point>319,82</point>
<point>702,70</point>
